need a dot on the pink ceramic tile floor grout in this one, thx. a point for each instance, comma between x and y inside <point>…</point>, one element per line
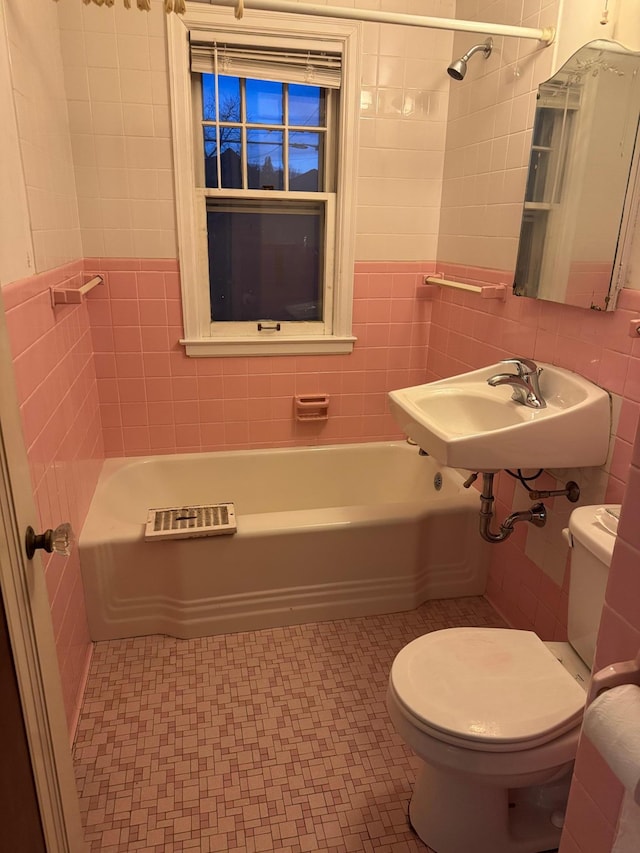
<point>266,740</point>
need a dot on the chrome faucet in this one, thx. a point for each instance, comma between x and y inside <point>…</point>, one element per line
<point>525,383</point>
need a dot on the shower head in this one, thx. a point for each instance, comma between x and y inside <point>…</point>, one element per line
<point>458,67</point>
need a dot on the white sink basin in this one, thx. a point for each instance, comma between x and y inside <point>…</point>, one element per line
<point>465,423</point>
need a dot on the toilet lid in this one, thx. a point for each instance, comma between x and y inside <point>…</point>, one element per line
<point>487,685</point>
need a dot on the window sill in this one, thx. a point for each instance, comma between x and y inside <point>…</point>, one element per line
<point>320,345</point>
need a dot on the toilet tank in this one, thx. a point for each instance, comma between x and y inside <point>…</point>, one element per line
<point>592,537</point>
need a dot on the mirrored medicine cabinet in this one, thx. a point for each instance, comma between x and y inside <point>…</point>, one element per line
<point>581,178</point>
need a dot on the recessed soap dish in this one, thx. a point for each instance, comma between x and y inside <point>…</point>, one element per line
<point>312,407</point>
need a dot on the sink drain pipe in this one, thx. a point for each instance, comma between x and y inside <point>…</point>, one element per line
<point>537,515</point>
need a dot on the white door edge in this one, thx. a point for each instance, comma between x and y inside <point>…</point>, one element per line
<point>26,603</point>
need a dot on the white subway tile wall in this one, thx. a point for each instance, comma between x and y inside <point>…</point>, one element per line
<point>403,113</point>
<point>115,73</point>
<point>43,129</point>
<point>488,136</point>
<point>442,165</point>
<point>117,88</point>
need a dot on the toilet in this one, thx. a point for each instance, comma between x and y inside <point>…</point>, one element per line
<point>495,715</point>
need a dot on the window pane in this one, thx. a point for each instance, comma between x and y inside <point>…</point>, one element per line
<point>229,94</point>
<point>543,126</point>
<point>265,262</point>
<point>231,157</point>
<point>210,157</point>
<point>264,155</point>
<point>230,160</point>
<point>537,178</point>
<point>208,97</point>
<point>547,166</point>
<point>264,102</point>
<point>305,161</point>
<point>306,105</point>
<point>530,248</point>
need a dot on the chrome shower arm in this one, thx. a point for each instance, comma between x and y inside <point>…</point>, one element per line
<point>486,47</point>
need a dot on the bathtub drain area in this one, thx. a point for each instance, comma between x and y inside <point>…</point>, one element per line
<point>265,740</point>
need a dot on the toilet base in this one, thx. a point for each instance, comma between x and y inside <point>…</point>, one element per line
<point>452,814</point>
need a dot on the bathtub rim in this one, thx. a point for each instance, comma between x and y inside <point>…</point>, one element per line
<point>100,524</point>
<point>113,464</point>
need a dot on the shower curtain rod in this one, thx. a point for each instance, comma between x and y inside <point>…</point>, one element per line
<point>545,35</point>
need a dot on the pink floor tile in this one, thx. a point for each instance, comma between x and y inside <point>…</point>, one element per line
<point>260,741</point>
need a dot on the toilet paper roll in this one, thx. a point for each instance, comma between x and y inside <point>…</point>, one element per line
<point>612,724</point>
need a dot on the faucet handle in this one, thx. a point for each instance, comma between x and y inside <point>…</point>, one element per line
<point>524,366</point>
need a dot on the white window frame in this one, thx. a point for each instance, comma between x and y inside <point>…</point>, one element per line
<point>340,37</point>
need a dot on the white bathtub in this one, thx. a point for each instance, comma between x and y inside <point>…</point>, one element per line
<point>323,533</point>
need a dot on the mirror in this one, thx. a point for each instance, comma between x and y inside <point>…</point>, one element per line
<point>581,178</point>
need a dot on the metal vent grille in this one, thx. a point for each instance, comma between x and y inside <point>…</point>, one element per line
<point>188,522</point>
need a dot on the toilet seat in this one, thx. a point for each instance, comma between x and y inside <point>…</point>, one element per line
<point>488,689</point>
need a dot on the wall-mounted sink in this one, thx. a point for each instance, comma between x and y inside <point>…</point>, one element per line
<point>465,423</point>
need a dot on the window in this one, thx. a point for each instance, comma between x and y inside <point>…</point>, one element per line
<point>266,255</point>
<point>265,119</point>
<point>558,103</point>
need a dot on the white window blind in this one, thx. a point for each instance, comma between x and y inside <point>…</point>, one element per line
<point>312,68</point>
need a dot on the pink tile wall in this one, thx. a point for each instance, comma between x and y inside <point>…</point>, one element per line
<point>588,283</point>
<point>596,793</point>
<point>154,399</point>
<point>467,332</point>
<point>57,391</point>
